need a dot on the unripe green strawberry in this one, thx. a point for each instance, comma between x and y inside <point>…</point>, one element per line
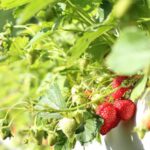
<point>52,138</point>
<point>68,126</point>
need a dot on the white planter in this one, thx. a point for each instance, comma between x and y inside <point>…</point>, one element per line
<point>123,138</point>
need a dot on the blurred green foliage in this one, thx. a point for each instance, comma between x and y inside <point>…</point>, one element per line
<point>5,16</point>
<point>53,47</point>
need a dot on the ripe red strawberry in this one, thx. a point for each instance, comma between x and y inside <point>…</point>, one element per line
<point>116,121</point>
<point>107,111</point>
<point>126,109</point>
<point>110,115</point>
<point>104,129</point>
<point>101,107</point>
<point>119,93</point>
<point>118,80</point>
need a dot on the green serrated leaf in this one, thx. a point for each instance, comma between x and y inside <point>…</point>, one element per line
<point>53,98</point>
<point>130,53</point>
<point>139,88</point>
<point>89,132</point>
<point>32,8</point>
<point>65,146</point>
<point>83,43</point>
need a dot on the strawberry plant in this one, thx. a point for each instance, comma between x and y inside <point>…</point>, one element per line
<point>71,70</point>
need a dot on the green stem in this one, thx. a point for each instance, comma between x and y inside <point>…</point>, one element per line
<point>76,107</point>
